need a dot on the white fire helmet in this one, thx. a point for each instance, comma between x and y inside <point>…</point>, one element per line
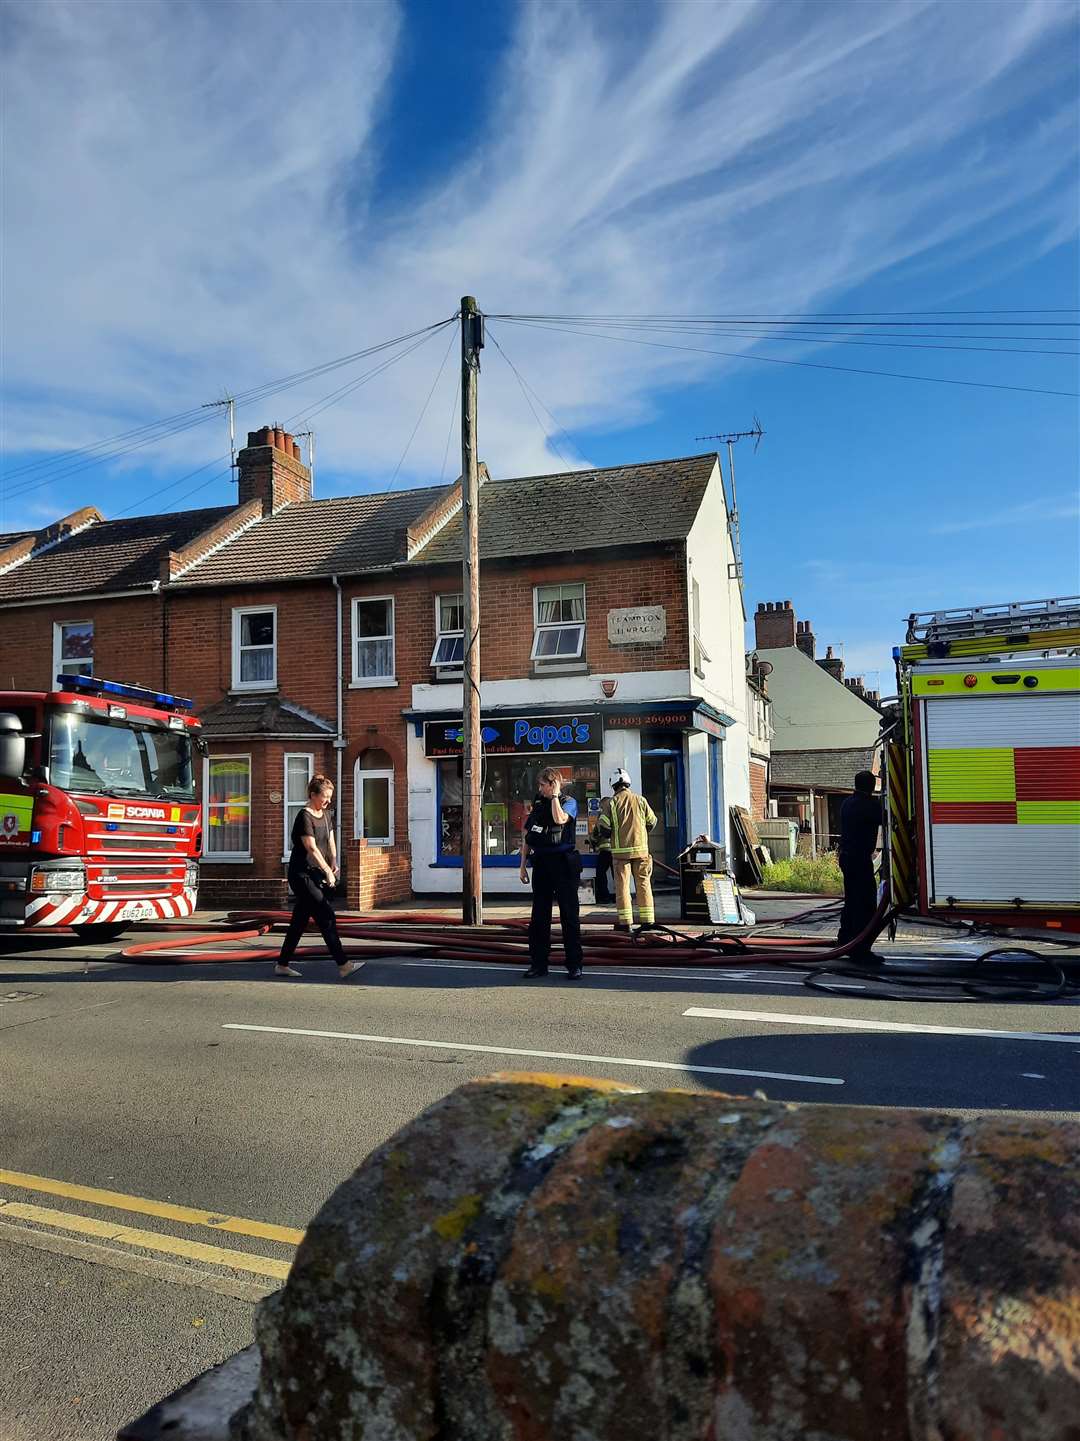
<point>619,778</point>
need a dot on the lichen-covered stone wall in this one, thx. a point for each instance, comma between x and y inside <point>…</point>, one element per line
<point>537,1260</point>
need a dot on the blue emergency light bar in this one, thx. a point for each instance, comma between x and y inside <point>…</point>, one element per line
<point>91,685</point>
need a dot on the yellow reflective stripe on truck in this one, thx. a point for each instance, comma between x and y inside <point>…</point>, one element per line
<point>1002,680</point>
<point>975,773</point>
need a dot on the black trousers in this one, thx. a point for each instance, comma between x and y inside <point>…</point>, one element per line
<point>860,897</point>
<point>603,874</point>
<point>311,900</point>
<point>555,876</point>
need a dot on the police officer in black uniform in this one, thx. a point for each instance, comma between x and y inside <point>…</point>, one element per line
<point>860,821</point>
<point>556,873</point>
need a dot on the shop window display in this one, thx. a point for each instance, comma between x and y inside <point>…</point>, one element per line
<point>510,787</point>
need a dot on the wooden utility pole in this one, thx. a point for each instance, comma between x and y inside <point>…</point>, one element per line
<point>472,893</point>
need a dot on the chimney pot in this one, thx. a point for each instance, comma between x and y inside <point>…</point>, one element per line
<point>787,605</point>
<point>265,479</point>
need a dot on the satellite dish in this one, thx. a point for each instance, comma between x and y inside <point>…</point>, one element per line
<point>765,667</point>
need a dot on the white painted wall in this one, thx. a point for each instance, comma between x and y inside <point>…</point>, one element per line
<point>582,691</point>
<point>709,553</point>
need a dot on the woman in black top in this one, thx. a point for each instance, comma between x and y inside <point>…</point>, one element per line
<point>313,873</point>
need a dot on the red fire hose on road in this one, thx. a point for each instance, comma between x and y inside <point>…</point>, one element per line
<point>1006,973</point>
<point>414,933</point>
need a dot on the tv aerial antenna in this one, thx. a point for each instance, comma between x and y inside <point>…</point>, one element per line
<point>731,438</point>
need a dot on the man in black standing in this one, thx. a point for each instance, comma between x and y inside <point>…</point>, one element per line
<point>549,838</point>
<point>860,822</point>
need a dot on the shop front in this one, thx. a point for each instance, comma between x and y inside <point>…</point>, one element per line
<point>516,750</point>
<point>670,749</point>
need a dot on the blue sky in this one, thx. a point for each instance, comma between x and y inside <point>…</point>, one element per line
<point>201,197</point>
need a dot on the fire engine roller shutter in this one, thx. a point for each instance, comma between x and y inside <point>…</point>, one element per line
<point>1003,781</point>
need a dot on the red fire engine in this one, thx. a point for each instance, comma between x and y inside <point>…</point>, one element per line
<point>99,826</point>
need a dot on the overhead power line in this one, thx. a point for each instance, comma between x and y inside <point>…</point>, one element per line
<point>805,320</point>
<point>61,466</point>
<point>423,409</point>
<point>808,364</point>
<point>890,341</point>
<point>316,409</point>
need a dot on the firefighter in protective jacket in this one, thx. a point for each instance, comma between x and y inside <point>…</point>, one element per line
<point>625,821</point>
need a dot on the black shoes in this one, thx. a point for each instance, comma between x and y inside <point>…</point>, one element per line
<point>621,926</point>
<point>534,974</point>
<point>573,973</point>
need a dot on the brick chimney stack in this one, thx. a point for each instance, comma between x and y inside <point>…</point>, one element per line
<point>774,625</point>
<point>804,638</point>
<point>269,469</point>
<point>834,664</point>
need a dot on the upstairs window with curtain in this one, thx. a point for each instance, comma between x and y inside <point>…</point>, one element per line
<point>255,648</point>
<point>373,640</point>
<point>559,633</point>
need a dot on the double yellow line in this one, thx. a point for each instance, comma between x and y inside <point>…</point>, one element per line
<point>32,1217</point>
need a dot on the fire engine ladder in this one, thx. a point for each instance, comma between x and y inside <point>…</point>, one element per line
<point>975,630</point>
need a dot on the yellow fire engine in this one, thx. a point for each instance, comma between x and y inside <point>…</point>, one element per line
<point>983,765</point>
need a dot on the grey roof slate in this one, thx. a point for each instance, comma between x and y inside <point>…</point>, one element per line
<point>824,770</point>
<point>262,715</point>
<point>109,555</point>
<point>581,510</point>
<point>342,536</point>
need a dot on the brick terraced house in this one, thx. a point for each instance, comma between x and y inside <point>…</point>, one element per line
<point>326,636</point>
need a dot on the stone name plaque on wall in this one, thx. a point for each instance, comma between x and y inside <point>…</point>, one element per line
<point>637,625</point>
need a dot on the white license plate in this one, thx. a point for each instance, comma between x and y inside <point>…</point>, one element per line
<point>136,911</point>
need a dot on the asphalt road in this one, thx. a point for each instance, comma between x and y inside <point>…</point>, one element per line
<point>203,1088</point>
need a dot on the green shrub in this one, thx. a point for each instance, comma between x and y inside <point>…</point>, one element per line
<point>804,874</point>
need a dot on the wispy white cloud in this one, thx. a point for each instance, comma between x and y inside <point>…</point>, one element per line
<point>191,198</point>
<point>1028,512</point>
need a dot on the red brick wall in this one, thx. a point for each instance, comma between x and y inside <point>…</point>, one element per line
<point>127,641</point>
<point>195,627</point>
<point>774,625</point>
<point>759,802</point>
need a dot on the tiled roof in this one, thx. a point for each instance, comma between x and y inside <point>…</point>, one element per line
<point>318,538</point>
<point>581,510</point>
<point>12,536</point>
<point>109,555</point>
<point>261,716</point>
<point>824,770</point>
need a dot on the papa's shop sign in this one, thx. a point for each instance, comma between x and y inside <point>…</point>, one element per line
<point>637,625</point>
<point>519,735</point>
